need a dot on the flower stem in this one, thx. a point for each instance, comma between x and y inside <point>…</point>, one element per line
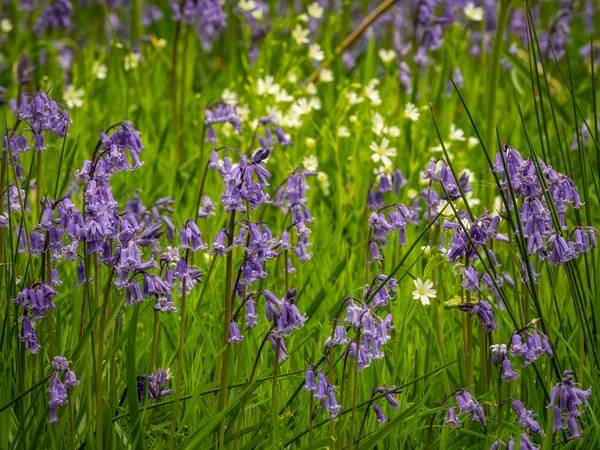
<point>274,423</point>
<point>179,368</point>
<point>222,398</point>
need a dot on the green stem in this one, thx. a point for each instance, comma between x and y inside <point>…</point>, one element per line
<point>222,399</point>
<point>490,140</point>
<point>179,368</point>
<point>274,423</point>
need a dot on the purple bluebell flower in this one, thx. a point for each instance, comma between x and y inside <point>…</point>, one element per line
<point>234,333</point>
<point>29,336</point>
<point>206,16</point>
<point>527,418</point>
<point>508,374</point>
<point>484,312</point>
<point>220,113</point>
<point>451,419</point>
<point>467,404</point>
<point>381,418</point>
<point>309,384</point>
<point>567,399</point>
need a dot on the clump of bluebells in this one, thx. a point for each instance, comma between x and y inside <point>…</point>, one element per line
<point>567,400</point>
<point>59,389</point>
<point>545,196</point>
<point>154,385</point>
<point>466,404</point>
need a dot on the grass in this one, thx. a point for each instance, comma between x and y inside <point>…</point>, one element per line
<point>240,396</point>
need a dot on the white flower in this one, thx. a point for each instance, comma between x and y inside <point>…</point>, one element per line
<point>247,5</point>
<point>373,95</point>
<point>282,96</point>
<point>393,131</point>
<point>258,14</point>
<point>244,112</point>
<point>73,97</point>
<point>456,134</point>
<point>473,12</point>
<point>300,35</point>
<point>378,125</point>
<point>343,132</point>
<point>382,152</point>
<point>311,89</point>
<point>310,142</point>
<point>323,179</point>
<point>426,250</point>
<point>132,61</point>
<point>303,17</point>
<point>472,142</point>
<point>424,291</point>
<point>315,10</point>
<point>387,56</point>
<point>325,75</point>
<point>6,25</point>
<point>229,97</point>
<point>267,86</point>
<point>301,107</point>
<point>353,98</point>
<point>315,53</point>
<point>353,118</point>
<point>292,77</point>
<point>411,112</point>
<point>161,43</point>
<point>311,163</point>
<point>99,70</point>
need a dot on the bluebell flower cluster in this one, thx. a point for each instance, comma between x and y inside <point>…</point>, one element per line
<point>59,389</point>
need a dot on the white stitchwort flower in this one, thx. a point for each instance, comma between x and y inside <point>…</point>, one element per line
<point>311,163</point>
<point>473,12</point>
<point>411,112</point>
<point>247,5</point>
<point>387,56</point>
<point>315,10</point>
<point>300,35</point>
<point>99,70</point>
<point>326,75</point>
<point>343,132</point>
<point>382,153</point>
<point>132,61</point>
<point>267,86</point>
<point>472,142</point>
<point>73,97</point>
<point>6,25</point>
<point>424,291</point>
<point>456,134</point>
<point>315,53</point>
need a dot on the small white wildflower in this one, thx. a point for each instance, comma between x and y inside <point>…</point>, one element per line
<point>292,77</point>
<point>353,119</point>
<point>424,291</point>
<point>456,134</point>
<point>472,142</point>
<point>73,97</point>
<point>310,142</point>
<point>258,14</point>
<point>229,97</point>
<point>411,112</point>
<point>311,163</point>
<point>387,56</point>
<point>382,153</point>
<point>300,35</point>
<point>353,98</point>
<point>315,53</point>
<point>373,95</point>
<point>343,132</point>
<point>315,10</point>
<point>303,17</point>
<point>323,179</point>
<point>132,61</point>
<point>282,96</point>
<point>426,250</point>
<point>99,70</point>
<point>393,131</point>
<point>161,43</point>
<point>473,12</point>
<point>267,86</point>
<point>326,75</point>
<point>377,124</point>
<point>247,5</point>
<point>311,89</point>
<point>6,25</point>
